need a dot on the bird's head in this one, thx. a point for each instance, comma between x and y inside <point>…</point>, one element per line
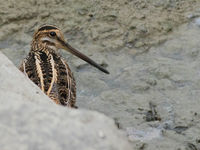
<point>52,38</point>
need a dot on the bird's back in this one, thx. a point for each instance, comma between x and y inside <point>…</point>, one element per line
<point>52,74</point>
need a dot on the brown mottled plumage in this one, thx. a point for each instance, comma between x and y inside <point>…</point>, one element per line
<point>45,67</point>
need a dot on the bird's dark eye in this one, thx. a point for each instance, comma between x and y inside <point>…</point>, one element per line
<point>53,33</point>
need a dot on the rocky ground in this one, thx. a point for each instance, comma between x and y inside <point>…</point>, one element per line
<point>30,120</point>
<point>150,47</point>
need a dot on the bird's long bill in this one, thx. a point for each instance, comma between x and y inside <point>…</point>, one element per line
<point>83,57</point>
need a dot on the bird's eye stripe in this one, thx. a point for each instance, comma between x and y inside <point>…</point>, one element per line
<point>44,39</point>
<point>48,42</point>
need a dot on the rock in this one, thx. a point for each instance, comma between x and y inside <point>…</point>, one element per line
<point>15,86</point>
<point>151,50</point>
<point>30,120</point>
<point>197,22</point>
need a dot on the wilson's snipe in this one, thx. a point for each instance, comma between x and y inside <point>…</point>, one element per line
<point>45,67</point>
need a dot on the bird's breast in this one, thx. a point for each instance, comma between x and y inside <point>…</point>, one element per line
<point>54,77</point>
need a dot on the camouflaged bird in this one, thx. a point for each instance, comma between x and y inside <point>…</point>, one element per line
<point>48,70</point>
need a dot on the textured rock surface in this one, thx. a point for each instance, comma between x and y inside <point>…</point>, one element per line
<point>150,47</point>
<point>30,121</point>
<point>12,80</point>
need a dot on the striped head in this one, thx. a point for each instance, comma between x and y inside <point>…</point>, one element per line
<point>51,38</point>
<point>48,36</point>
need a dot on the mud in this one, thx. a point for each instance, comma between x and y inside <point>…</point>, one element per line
<point>151,49</point>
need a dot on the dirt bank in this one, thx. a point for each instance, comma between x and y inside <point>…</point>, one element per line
<point>150,47</point>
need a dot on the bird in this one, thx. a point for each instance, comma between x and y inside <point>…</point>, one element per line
<point>48,70</point>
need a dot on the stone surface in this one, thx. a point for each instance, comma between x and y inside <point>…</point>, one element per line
<point>30,121</point>
<point>150,47</point>
<point>14,85</point>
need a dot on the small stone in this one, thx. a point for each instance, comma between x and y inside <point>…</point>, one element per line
<point>110,17</point>
<point>101,134</point>
<point>197,22</point>
<point>82,12</point>
<point>139,44</point>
